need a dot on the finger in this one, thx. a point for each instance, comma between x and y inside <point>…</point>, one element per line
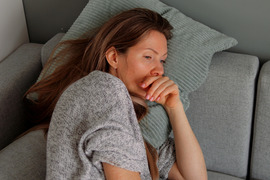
<point>158,82</point>
<point>149,80</point>
<point>170,90</point>
<point>157,89</point>
<point>153,83</point>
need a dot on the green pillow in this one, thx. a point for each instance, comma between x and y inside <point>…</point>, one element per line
<point>189,53</point>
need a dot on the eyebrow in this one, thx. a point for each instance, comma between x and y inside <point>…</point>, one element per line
<point>156,51</point>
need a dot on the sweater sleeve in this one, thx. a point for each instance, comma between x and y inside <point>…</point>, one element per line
<point>94,122</point>
<point>115,137</point>
<point>166,158</point>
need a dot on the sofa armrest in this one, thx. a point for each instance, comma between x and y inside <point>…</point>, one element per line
<point>260,157</point>
<point>221,112</point>
<point>25,158</point>
<point>17,73</point>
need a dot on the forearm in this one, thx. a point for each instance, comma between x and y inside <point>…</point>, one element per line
<point>114,172</point>
<point>189,156</point>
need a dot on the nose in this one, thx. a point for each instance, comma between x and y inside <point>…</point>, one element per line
<point>158,70</point>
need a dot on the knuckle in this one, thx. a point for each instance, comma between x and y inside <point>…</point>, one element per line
<point>166,78</point>
<point>172,82</point>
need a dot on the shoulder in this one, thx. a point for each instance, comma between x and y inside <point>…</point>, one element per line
<point>98,81</point>
<point>98,85</point>
<point>98,90</point>
<point>103,80</point>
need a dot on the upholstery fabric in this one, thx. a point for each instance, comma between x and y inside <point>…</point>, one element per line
<point>208,128</point>
<point>260,159</point>
<point>25,158</point>
<point>190,53</point>
<point>221,112</point>
<point>28,154</point>
<point>219,176</point>
<point>17,73</point>
<point>49,46</point>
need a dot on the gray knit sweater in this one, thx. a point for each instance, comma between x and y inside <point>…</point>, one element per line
<point>94,122</point>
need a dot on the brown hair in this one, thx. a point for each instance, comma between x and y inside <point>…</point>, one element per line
<point>87,54</point>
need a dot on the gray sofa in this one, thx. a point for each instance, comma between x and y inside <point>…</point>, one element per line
<point>229,113</point>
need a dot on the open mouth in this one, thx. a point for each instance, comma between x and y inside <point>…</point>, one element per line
<point>146,89</point>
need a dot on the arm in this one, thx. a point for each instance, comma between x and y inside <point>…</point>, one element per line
<point>114,172</point>
<point>189,157</point>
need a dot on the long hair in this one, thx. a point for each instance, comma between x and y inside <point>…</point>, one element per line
<point>87,54</point>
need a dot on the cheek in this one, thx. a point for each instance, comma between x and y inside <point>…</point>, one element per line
<point>137,72</point>
<point>137,76</point>
<point>139,67</point>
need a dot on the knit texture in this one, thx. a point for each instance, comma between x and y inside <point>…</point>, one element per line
<point>93,122</point>
<point>189,53</point>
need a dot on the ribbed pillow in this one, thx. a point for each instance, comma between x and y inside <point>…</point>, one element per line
<point>189,53</point>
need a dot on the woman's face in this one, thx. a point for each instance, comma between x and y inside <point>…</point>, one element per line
<point>143,60</point>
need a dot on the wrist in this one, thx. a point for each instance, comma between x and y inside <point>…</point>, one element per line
<point>178,107</point>
<point>176,115</point>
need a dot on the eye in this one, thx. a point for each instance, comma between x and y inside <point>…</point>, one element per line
<point>148,57</point>
<point>163,61</point>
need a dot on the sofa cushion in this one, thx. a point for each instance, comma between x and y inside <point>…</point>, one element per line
<point>221,112</point>
<point>25,158</point>
<point>220,176</point>
<point>190,53</point>
<point>17,73</point>
<point>28,155</point>
<point>49,46</point>
<point>260,159</point>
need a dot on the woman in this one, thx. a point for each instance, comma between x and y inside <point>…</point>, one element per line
<point>95,100</point>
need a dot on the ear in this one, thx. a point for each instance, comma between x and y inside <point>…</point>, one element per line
<point>112,57</point>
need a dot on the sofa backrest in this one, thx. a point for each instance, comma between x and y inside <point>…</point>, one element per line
<point>46,18</point>
<point>247,21</point>
<point>260,159</point>
<point>221,112</point>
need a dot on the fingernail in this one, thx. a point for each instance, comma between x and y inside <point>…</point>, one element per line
<point>147,97</point>
<point>158,98</point>
<point>152,99</point>
<point>143,85</point>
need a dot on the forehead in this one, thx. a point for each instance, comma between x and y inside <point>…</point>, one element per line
<point>152,40</point>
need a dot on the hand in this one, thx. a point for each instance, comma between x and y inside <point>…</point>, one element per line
<point>162,90</point>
